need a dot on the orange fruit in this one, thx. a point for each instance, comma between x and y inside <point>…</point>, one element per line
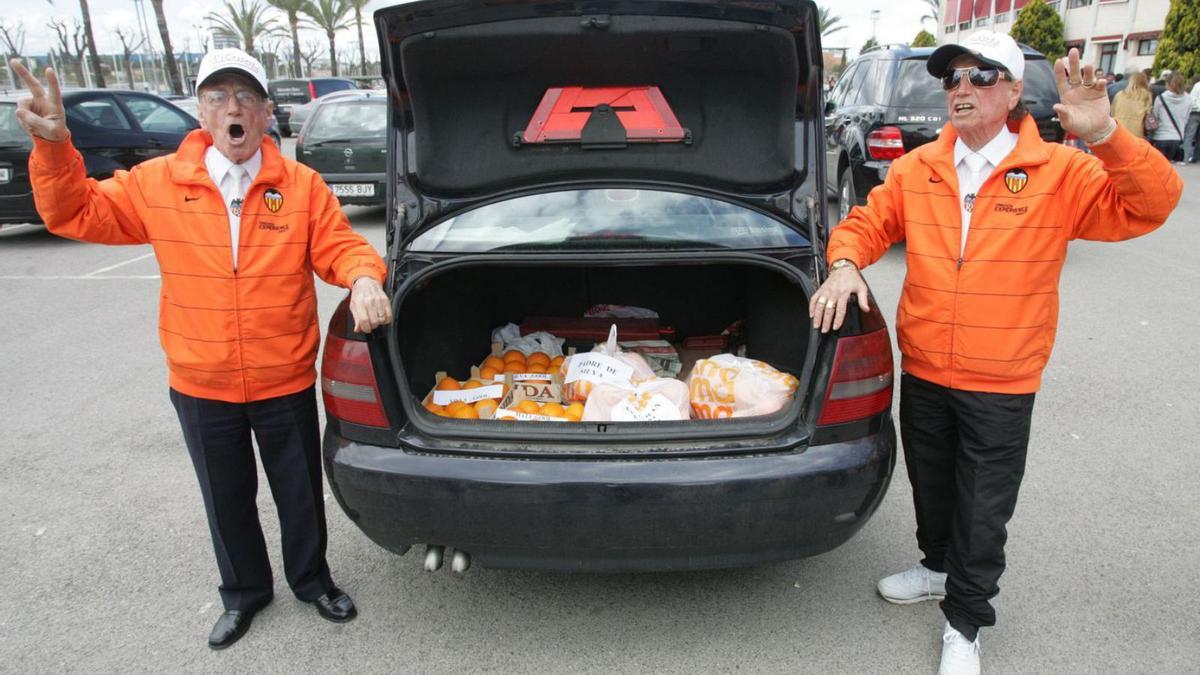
<point>574,412</point>
<point>556,362</point>
<point>553,410</point>
<point>473,384</point>
<point>449,384</point>
<point>528,406</point>
<point>514,355</point>
<point>493,362</point>
<point>490,373</point>
<point>486,407</point>
<point>434,408</point>
<point>540,358</point>
<point>454,406</point>
<point>466,413</point>
<point>532,368</point>
<point>514,367</point>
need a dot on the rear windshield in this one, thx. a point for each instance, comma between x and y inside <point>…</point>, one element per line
<point>348,120</point>
<point>607,219</point>
<point>916,88</point>
<point>289,91</point>
<point>11,132</point>
<point>325,86</point>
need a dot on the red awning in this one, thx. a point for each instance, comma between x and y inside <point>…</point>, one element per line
<point>1003,6</point>
<point>964,10</point>
<point>1020,3</point>
<point>983,8</point>
<point>951,12</point>
<point>1108,38</point>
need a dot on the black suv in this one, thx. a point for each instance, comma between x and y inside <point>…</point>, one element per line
<point>637,153</point>
<point>286,94</point>
<point>886,104</point>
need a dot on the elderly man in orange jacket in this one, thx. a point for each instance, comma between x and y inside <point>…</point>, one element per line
<point>238,231</point>
<point>987,212</point>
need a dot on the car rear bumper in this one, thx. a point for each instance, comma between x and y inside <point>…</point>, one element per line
<point>614,515</point>
<point>18,208</point>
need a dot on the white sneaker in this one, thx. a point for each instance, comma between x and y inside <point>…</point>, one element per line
<point>914,585</point>
<point>959,657</point>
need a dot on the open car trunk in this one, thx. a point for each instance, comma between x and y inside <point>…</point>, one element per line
<point>448,313</point>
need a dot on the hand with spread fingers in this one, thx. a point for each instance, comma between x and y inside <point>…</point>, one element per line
<point>41,114</point>
<point>369,305</point>
<point>828,306</point>
<point>1084,109</point>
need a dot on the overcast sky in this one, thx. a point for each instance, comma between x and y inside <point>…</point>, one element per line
<point>899,21</point>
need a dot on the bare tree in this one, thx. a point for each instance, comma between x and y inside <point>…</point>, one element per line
<point>309,52</point>
<point>71,45</point>
<point>128,47</point>
<point>14,37</point>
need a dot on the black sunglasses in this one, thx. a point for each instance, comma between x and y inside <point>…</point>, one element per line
<point>977,76</point>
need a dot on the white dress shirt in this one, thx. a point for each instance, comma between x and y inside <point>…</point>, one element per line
<point>232,186</point>
<point>974,168</point>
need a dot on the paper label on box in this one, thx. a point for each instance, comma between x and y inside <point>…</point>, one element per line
<point>645,408</point>
<point>495,391</point>
<point>519,377</point>
<point>506,414</point>
<point>597,367</point>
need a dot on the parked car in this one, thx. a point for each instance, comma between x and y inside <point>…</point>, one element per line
<point>301,113</point>
<point>886,104</point>
<point>292,92</point>
<point>535,197</point>
<point>112,129</point>
<point>346,141</point>
<point>191,105</point>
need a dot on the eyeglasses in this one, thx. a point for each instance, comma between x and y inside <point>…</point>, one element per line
<point>978,77</point>
<point>219,99</point>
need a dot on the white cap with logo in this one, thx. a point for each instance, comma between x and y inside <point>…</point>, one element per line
<point>996,49</point>
<point>221,61</point>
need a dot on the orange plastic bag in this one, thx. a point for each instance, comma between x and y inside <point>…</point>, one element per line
<point>731,386</point>
<point>606,363</point>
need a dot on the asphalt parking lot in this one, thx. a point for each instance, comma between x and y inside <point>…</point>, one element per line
<point>108,565</point>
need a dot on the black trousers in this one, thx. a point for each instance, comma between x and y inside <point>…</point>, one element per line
<point>218,439</point>
<point>965,455</point>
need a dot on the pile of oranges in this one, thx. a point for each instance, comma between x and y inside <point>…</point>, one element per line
<point>514,361</point>
<point>571,413</point>
<point>459,409</point>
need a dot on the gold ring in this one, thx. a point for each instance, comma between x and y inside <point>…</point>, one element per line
<point>1089,85</point>
<point>822,301</point>
<point>1074,83</point>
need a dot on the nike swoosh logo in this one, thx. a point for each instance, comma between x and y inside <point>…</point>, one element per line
<point>190,199</point>
<point>934,179</point>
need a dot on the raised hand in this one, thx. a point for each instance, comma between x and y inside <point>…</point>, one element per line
<point>41,114</point>
<point>1083,109</point>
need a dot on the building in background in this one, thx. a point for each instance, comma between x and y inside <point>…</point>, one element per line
<point>1118,36</point>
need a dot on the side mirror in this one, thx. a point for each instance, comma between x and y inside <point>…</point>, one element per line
<point>828,107</point>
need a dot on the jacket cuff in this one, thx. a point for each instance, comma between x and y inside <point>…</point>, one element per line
<point>359,271</point>
<point>846,252</point>
<point>1119,148</point>
<point>51,156</point>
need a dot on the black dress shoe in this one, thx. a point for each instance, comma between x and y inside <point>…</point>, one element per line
<point>230,628</point>
<point>336,606</point>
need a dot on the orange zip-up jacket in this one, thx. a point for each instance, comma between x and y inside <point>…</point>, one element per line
<point>985,320</point>
<point>232,335</point>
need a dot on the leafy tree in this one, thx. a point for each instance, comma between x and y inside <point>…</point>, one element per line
<point>932,13</point>
<point>293,9</point>
<point>329,16</point>
<point>245,22</point>
<point>358,6</point>
<point>1179,46</point>
<point>1041,28</point>
<point>830,22</point>
<point>924,39</point>
<point>871,43</point>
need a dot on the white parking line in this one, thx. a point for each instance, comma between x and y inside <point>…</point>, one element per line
<point>120,264</point>
<point>85,277</point>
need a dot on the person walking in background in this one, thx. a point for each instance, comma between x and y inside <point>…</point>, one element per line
<point>1191,134</point>
<point>1132,104</point>
<point>1172,110</point>
<point>1120,81</point>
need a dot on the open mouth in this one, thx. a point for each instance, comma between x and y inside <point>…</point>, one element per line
<point>236,132</point>
<point>963,107</point>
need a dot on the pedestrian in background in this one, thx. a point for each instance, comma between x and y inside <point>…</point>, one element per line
<point>1172,110</point>
<point>986,212</point>
<point>238,231</point>
<point>1132,104</point>
<point>1191,134</point>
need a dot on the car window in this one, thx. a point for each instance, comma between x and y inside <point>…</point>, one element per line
<point>347,120</point>
<point>11,132</point>
<point>916,88</point>
<point>101,113</point>
<point>155,116</point>
<point>325,86</point>
<point>607,219</point>
<point>1040,88</point>
<point>854,87</point>
<point>289,91</point>
<point>839,91</point>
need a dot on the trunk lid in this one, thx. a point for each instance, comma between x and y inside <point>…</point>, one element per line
<point>470,79</point>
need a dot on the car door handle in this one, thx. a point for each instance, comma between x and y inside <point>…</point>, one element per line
<point>154,143</point>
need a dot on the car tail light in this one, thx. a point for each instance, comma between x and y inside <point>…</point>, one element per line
<point>348,382</point>
<point>1069,138</point>
<point>312,91</point>
<point>861,383</point>
<point>885,143</point>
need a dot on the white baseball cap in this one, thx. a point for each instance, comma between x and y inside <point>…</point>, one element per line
<point>996,49</point>
<point>232,60</point>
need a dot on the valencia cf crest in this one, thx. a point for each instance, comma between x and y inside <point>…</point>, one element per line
<point>1015,180</point>
<point>235,207</point>
<point>273,200</point>
<point>969,202</point>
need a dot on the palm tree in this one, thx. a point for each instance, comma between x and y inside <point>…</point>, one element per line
<point>244,22</point>
<point>358,6</point>
<point>293,8</point>
<point>934,11</point>
<point>329,16</point>
<point>829,21</point>
<point>171,68</point>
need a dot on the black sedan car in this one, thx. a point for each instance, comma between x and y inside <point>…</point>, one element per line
<point>112,129</point>
<point>660,155</point>
<point>346,141</point>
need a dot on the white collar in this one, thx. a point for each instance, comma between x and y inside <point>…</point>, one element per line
<point>994,152</point>
<point>218,164</point>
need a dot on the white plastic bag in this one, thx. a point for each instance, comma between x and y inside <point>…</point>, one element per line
<point>606,363</point>
<point>731,386</point>
<point>509,336</point>
<point>656,400</point>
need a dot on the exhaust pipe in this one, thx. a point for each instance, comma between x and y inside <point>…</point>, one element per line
<point>461,562</point>
<point>433,557</point>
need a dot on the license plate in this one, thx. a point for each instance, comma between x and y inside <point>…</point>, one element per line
<point>5,175</point>
<point>353,189</point>
<point>283,109</point>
